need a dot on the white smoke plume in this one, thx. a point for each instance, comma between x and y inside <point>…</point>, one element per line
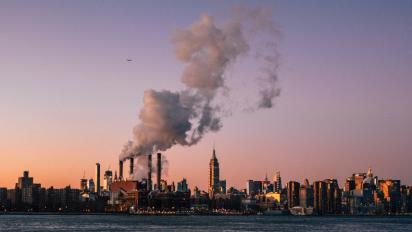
<point>169,118</point>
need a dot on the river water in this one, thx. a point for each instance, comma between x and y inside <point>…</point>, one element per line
<point>200,223</point>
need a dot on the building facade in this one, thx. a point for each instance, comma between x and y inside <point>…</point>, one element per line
<point>293,194</point>
<point>213,175</point>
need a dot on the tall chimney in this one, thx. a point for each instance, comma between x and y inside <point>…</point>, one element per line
<point>97,186</point>
<point>120,170</point>
<point>149,174</point>
<point>131,165</point>
<point>159,171</point>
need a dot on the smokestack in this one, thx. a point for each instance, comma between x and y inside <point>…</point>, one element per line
<point>159,171</point>
<point>131,165</point>
<point>149,174</point>
<point>97,186</point>
<point>120,170</point>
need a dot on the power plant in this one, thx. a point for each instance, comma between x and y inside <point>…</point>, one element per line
<point>148,181</point>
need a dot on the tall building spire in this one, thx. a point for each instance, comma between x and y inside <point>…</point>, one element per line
<point>370,174</point>
<point>214,151</point>
<point>213,174</point>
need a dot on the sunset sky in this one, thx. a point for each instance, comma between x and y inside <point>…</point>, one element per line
<point>69,98</point>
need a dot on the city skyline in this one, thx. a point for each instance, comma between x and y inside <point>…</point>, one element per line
<point>361,194</point>
<point>214,181</point>
<point>74,76</point>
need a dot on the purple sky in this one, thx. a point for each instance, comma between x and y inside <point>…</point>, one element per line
<point>68,98</point>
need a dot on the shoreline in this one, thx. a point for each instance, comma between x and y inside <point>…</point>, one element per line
<point>188,214</point>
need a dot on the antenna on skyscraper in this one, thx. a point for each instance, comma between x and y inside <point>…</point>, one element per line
<point>214,150</point>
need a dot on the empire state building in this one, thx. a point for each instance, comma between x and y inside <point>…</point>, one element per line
<point>213,175</point>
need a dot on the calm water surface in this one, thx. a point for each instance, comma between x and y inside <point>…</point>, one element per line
<point>200,223</point>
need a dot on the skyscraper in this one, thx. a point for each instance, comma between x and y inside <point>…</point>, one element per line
<point>222,186</point>
<point>108,179</point>
<point>409,199</point>
<point>391,194</point>
<point>277,183</point>
<point>25,184</point>
<point>25,181</point>
<point>213,175</point>
<point>358,179</point>
<point>92,187</point>
<point>254,187</point>
<point>319,197</point>
<point>349,184</point>
<point>83,184</point>
<point>306,195</point>
<point>333,194</point>
<point>293,194</point>
<point>182,186</point>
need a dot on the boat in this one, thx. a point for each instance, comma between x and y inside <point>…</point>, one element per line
<point>301,211</point>
<point>273,212</point>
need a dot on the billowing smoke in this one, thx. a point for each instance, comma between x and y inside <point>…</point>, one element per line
<point>207,50</point>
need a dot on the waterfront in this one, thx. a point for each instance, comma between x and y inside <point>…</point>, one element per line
<point>200,223</point>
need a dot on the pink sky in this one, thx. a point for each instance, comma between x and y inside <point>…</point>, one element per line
<point>69,99</point>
